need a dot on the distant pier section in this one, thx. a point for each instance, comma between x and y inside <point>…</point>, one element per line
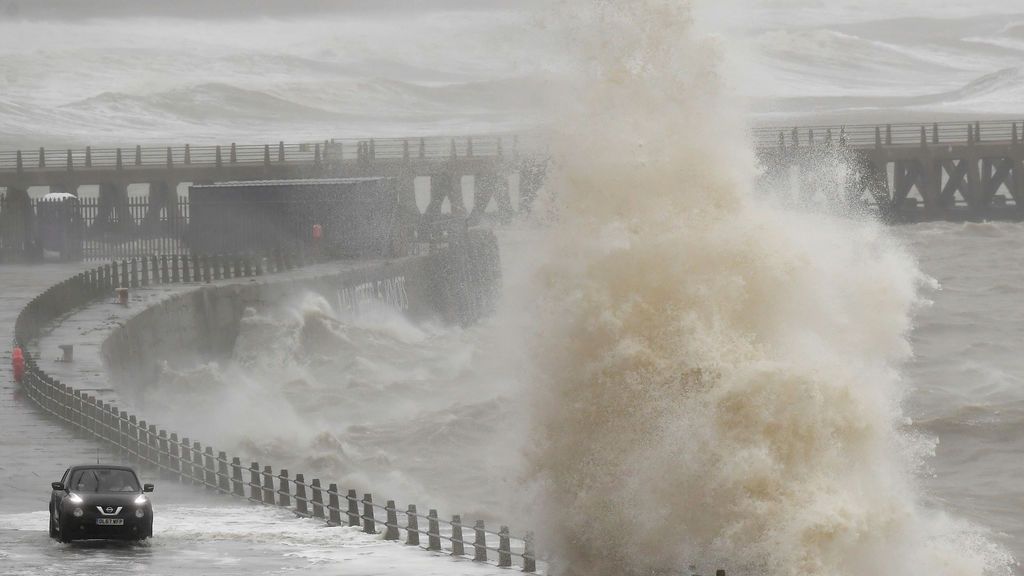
<point>906,172</point>
<point>489,159</point>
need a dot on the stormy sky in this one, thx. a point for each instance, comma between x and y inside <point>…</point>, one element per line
<point>205,9</point>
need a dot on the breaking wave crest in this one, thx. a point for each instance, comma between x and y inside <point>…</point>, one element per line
<point>718,378</point>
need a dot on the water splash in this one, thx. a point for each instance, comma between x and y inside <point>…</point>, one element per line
<point>718,378</point>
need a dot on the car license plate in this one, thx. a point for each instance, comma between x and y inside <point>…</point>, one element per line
<point>110,521</point>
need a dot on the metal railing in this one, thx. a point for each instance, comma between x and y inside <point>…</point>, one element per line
<point>190,462</point>
<point>866,135</point>
<point>310,153</point>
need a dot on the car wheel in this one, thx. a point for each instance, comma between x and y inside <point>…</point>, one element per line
<point>53,525</point>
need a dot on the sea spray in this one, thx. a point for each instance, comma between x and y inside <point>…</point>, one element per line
<point>717,378</point>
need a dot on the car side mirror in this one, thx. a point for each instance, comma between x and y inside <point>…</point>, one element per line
<point>147,487</point>
<point>57,486</point>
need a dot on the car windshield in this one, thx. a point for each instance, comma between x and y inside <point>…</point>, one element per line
<point>104,480</point>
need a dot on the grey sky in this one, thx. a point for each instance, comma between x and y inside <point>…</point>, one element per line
<point>76,9</point>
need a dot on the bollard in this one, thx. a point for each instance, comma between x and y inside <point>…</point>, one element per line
<point>458,544</point>
<point>122,296</point>
<point>719,572</point>
<point>301,505</point>
<point>67,352</point>
<point>412,527</point>
<point>504,548</point>
<point>236,478</point>
<point>18,364</point>
<point>391,524</point>
<point>479,542</point>
<point>165,277</point>
<point>283,495</point>
<point>145,272</point>
<point>268,486</point>
<point>333,506</point>
<point>433,531</point>
<point>255,492</point>
<point>185,276</point>
<point>134,273</point>
<point>529,556</point>
<point>175,276</point>
<point>317,497</point>
<point>353,508</point>
<point>223,479</point>
<point>369,522</point>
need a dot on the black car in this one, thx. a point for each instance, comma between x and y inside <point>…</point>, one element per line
<point>100,501</point>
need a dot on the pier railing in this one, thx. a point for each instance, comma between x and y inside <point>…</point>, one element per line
<point>321,152</point>
<point>189,461</point>
<point>868,135</point>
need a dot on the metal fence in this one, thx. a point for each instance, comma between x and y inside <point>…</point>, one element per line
<point>865,135</point>
<point>325,152</point>
<point>92,228</point>
<point>190,462</point>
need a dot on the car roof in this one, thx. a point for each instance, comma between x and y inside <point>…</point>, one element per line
<point>101,467</point>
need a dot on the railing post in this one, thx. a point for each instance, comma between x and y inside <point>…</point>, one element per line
<point>223,478</point>
<point>479,542</point>
<point>154,446</point>
<point>458,544</point>
<point>217,160</point>
<point>318,498</point>
<point>188,154</point>
<point>504,548</point>
<point>935,133</point>
<point>353,508</point>
<point>210,469</point>
<point>369,522</point>
<point>174,269</point>
<point>266,154</point>
<point>164,454</point>
<point>234,154</point>
<point>237,484</point>
<point>433,531</point>
<point>88,156</point>
<point>19,164</point>
<point>280,151</point>
<point>198,475</point>
<point>529,554</point>
<point>391,524</point>
<point>268,486</point>
<point>317,159</point>
<point>412,527</point>
<point>143,442</point>
<point>255,490</point>
<point>118,163</point>
<point>138,155</point>
<point>71,161</point>
<point>186,267</point>
<point>42,157</point>
<point>284,497</point>
<point>145,271</point>
<point>122,438</point>
<point>301,503</point>
<point>888,134</point>
<point>333,506</point>
<point>170,158</point>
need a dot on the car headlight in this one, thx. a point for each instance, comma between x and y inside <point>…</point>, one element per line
<point>74,498</point>
<point>141,499</point>
<point>139,513</point>
<point>78,512</point>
